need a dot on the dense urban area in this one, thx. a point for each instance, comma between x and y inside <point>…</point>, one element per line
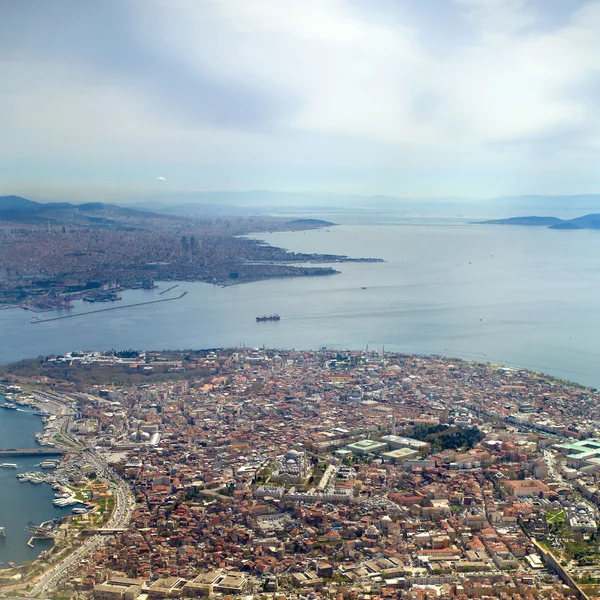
<point>277,474</point>
<point>94,251</point>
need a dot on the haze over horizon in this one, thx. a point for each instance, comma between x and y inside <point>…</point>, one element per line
<point>476,98</point>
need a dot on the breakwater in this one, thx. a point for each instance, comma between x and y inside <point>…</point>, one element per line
<point>93,312</point>
<point>168,289</point>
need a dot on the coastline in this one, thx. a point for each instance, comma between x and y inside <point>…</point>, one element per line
<point>255,261</point>
<point>50,470</point>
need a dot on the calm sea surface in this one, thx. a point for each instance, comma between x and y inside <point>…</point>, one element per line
<point>22,502</point>
<point>519,296</point>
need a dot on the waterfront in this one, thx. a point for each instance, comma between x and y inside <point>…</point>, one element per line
<point>518,296</point>
<point>22,502</point>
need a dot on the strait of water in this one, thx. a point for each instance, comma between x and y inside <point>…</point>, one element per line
<point>515,295</point>
<point>22,502</point>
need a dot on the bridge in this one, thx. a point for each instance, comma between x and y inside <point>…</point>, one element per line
<point>104,530</point>
<point>30,452</point>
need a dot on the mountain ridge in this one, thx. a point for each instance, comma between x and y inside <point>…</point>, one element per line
<point>94,214</point>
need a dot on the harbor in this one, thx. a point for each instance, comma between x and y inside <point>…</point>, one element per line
<point>27,492</point>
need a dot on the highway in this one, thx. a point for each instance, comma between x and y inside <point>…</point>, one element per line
<point>123,510</point>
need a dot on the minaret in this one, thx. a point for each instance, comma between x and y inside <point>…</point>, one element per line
<point>393,424</point>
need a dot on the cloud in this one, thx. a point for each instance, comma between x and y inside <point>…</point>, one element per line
<point>270,90</point>
<point>160,179</point>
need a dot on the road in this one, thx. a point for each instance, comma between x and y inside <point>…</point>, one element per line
<point>123,510</point>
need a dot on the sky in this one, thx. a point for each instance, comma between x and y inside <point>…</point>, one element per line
<point>421,98</point>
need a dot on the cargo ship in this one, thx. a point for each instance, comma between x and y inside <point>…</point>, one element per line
<point>268,318</point>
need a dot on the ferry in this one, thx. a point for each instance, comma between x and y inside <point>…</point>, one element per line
<point>268,318</point>
<point>8,465</point>
<point>48,464</point>
<point>9,405</point>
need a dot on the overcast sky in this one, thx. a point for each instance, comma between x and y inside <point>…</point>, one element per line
<point>406,97</point>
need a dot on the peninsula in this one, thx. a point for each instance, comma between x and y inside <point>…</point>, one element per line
<point>244,472</point>
<point>51,254</point>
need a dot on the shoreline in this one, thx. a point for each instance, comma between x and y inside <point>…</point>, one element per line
<point>35,474</point>
<point>318,271</point>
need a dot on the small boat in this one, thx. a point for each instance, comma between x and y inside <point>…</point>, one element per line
<point>2,532</point>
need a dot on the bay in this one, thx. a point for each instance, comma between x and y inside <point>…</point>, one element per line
<point>519,296</point>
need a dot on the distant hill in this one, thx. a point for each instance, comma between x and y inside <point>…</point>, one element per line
<point>18,205</point>
<point>591,221</point>
<point>309,223</point>
<point>527,221</point>
<point>91,214</point>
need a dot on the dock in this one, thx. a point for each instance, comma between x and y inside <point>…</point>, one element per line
<point>41,532</point>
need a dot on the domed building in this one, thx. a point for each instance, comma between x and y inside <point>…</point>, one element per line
<point>292,467</point>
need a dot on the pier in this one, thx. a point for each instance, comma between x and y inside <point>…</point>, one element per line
<point>45,531</point>
<point>93,312</point>
<point>30,452</point>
